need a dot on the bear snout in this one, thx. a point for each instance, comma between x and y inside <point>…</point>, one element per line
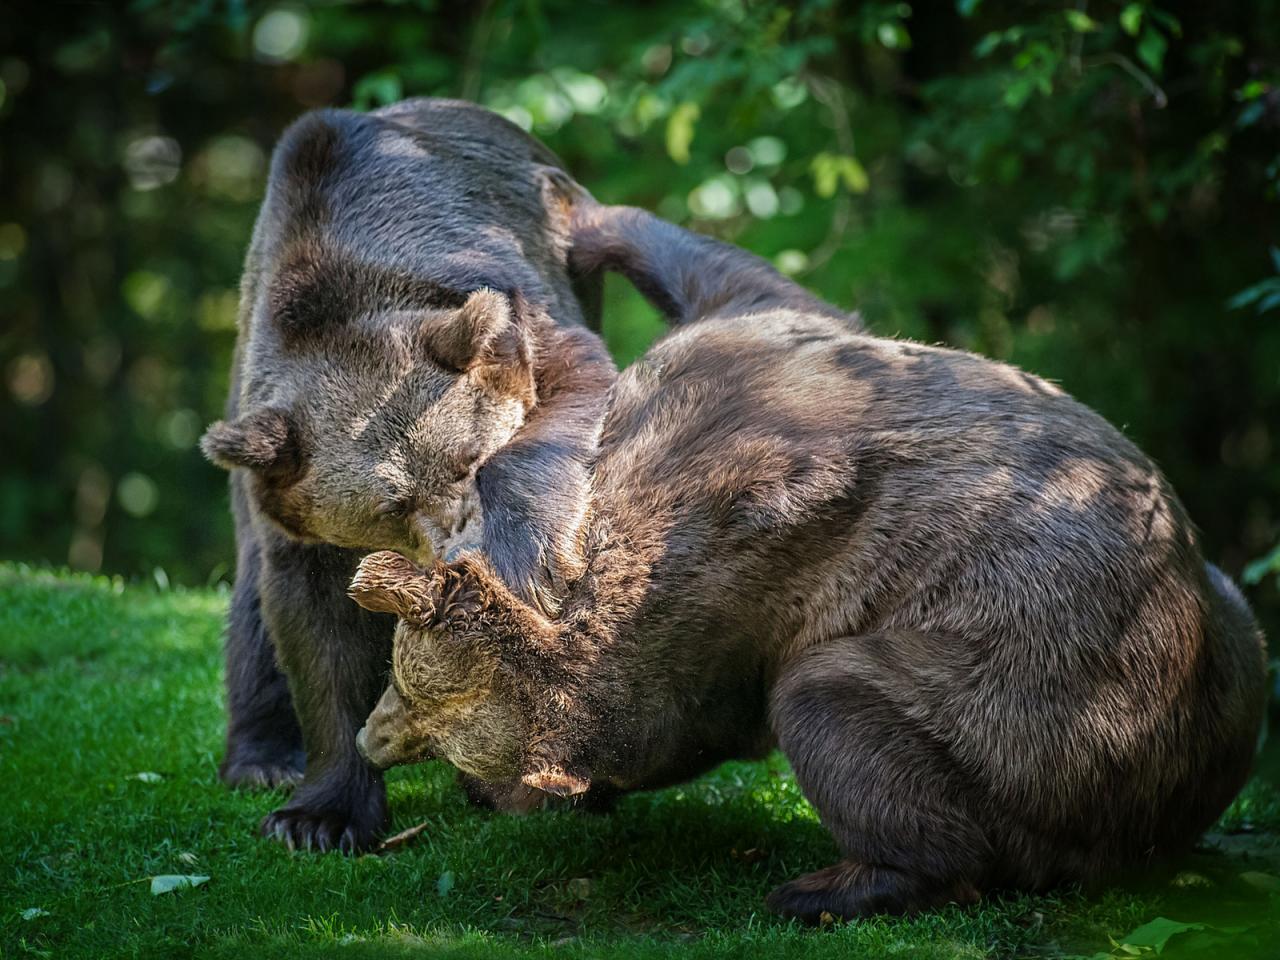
<point>387,738</point>
<point>366,751</point>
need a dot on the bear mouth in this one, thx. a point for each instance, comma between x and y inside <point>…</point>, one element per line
<point>382,755</point>
<point>387,738</point>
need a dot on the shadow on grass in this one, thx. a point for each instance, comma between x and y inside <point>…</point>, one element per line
<point>120,680</point>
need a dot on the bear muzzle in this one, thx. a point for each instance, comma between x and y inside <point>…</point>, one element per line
<point>386,739</point>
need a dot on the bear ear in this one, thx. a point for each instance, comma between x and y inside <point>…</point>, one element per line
<point>462,339</point>
<point>485,338</point>
<point>555,780</point>
<point>560,192</point>
<point>386,582</point>
<point>266,441</point>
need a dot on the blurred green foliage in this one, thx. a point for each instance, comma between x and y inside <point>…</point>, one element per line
<point>1087,189</point>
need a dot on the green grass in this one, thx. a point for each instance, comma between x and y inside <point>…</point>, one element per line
<point>101,681</point>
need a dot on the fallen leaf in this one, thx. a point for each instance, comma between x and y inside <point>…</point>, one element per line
<point>169,882</point>
<point>445,883</point>
<point>1156,933</point>
<point>146,776</point>
<point>1261,881</point>
<point>403,838</point>
<point>825,919</point>
<point>32,913</point>
<point>750,855</point>
<point>580,887</point>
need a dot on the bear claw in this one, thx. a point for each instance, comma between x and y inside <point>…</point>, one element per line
<point>317,832</point>
<point>346,814</point>
<point>281,768</point>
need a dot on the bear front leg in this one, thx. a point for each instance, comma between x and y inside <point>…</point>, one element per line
<point>264,742</point>
<point>534,491</point>
<point>335,655</point>
<point>899,807</point>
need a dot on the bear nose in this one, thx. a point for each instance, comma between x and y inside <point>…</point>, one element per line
<point>362,743</point>
<point>387,738</point>
<point>373,750</point>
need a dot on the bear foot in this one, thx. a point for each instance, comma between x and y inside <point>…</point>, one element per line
<point>259,765</point>
<point>848,890</point>
<point>321,820</point>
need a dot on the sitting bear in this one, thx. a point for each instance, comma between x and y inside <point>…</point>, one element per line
<point>973,615</point>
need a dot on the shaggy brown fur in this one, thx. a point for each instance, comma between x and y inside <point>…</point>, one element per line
<point>972,614</point>
<point>410,374</point>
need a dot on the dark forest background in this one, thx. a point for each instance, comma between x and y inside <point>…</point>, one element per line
<point>1088,190</point>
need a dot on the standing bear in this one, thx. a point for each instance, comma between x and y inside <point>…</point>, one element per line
<point>973,615</point>
<point>409,259</point>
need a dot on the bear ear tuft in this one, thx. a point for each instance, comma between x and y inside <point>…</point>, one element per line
<point>555,780</point>
<point>386,582</point>
<point>265,441</point>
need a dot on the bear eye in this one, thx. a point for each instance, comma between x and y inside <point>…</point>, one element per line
<point>466,463</point>
<point>393,508</point>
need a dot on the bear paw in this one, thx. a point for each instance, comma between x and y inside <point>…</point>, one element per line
<point>848,890</point>
<point>261,766</point>
<point>350,823</point>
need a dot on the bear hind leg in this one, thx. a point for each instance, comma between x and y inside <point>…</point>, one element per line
<point>850,889</point>
<point>894,799</point>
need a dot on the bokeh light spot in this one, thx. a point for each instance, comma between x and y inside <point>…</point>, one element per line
<point>13,240</point>
<point>181,428</point>
<point>138,494</point>
<point>767,151</point>
<point>762,199</point>
<point>217,310</point>
<point>715,199</point>
<point>280,35</point>
<point>231,165</point>
<point>152,161</point>
<point>587,93</point>
<point>145,292</point>
<point>739,160</point>
<point>790,201</point>
<point>791,261</point>
<point>30,378</point>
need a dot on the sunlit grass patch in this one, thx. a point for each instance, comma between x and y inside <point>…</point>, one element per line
<point>111,723</point>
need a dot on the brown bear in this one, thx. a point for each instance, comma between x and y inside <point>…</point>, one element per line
<point>411,373</point>
<point>972,614</point>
